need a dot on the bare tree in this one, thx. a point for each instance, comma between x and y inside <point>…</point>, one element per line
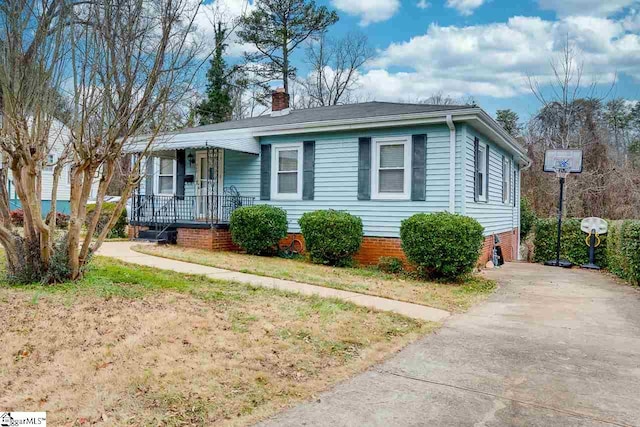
<point>123,64</point>
<point>335,66</point>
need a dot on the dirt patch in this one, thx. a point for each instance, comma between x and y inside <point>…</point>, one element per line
<point>197,358</point>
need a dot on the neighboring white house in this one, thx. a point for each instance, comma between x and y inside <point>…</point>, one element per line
<point>58,136</point>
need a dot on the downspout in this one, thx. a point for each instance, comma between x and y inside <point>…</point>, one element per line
<point>527,166</point>
<point>452,164</point>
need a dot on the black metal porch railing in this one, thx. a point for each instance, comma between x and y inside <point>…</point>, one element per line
<point>166,210</point>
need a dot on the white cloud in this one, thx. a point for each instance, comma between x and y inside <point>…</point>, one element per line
<point>227,11</point>
<point>369,11</point>
<point>423,4</point>
<point>601,8</point>
<point>496,59</point>
<point>465,7</point>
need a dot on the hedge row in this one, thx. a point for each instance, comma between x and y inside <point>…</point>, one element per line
<point>623,250</point>
<point>573,247</point>
<point>619,251</point>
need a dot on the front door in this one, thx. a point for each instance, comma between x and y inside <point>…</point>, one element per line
<point>208,183</point>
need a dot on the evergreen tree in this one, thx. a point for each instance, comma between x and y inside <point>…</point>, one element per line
<point>277,28</point>
<point>509,121</point>
<point>218,105</point>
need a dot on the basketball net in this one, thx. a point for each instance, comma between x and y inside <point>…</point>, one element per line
<point>562,172</point>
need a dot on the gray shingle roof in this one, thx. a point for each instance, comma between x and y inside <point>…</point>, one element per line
<point>319,114</point>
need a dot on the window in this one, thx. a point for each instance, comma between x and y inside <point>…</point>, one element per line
<point>482,172</point>
<point>166,176</point>
<point>506,180</point>
<point>287,172</point>
<point>50,161</point>
<point>391,168</point>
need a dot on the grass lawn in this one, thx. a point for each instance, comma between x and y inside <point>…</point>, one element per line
<point>451,297</point>
<point>129,345</point>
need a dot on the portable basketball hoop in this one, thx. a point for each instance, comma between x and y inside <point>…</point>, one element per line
<point>594,227</point>
<point>562,163</point>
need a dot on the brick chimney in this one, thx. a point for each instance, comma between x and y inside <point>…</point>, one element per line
<point>279,100</point>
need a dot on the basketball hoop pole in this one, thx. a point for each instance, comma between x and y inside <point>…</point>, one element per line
<point>557,262</point>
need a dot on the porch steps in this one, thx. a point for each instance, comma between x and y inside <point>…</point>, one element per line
<point>156,236</point>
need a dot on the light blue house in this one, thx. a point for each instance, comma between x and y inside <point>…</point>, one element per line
<point>380,161</point>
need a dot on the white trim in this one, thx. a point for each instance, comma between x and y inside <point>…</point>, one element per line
<point>246,139</point>
<point>375,161</point>
<point>482,154</point>
<point>452,164</point>
<point>275,149</point>
<point>508,183</point>
<point>156,176</point>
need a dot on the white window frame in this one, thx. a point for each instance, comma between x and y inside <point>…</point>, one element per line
<point>506,173</point>
<point>482,154</point>
<point>375,161</point>
<point>157,175</point>
<point>51,159</point>
<point>275,150</point>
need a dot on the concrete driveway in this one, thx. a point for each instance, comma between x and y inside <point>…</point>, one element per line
<point>551,348</point>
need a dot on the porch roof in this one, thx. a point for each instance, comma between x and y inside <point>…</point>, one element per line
<point>237,140</point>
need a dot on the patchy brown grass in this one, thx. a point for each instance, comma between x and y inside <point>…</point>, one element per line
<point>135,346</point>
<point>454,297</point>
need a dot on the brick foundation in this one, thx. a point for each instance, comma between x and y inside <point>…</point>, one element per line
<point>216,239</point>
<point>373,248</point>
<point>508,241</point>
<point>134,230</point>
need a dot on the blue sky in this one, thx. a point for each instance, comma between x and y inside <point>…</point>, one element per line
<point>487,49</point>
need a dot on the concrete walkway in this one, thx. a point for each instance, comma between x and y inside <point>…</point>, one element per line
<point>552,347</point>
<point>123,252</point>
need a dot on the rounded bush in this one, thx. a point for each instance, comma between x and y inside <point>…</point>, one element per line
<point>331,237</point>
<point>119,228</point>
<point>442,245</point>
<point>258,229</point>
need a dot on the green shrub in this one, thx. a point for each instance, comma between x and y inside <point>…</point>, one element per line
<point>442,245</point>
<point>527,218</point>
<point>623,250</point>
<point>390,264</point>
<point>258,229</point>
<point>119,228</point>
<point>573,246</point>
<point>331,237</point>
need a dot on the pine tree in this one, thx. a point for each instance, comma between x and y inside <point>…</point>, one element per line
<point>218,105</point>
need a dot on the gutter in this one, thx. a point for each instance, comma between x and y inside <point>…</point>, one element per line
<point>452,163</point>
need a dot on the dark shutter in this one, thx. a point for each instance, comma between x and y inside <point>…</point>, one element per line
<point>476,166</point>
<point>505,177</point>
<point>486,175</point>
<point>419,168</point>
<point>265,172</point>
<point>364,169</point>
<point>148,183</point>
<point>180,172</point>
<point>308,170</point>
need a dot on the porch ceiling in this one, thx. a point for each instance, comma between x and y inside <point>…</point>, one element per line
<point>236,140</point>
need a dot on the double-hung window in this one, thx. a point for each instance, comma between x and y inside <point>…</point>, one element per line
<point>506,180</point>
<point>391,178</point>
<point>166,175</point>
<point>482,172</point>
<point>287,171</point>
<point>50,162</point>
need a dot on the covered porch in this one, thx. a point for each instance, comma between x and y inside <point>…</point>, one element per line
<point>184,183</point>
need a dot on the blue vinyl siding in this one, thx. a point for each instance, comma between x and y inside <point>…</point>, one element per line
<point>62,206</point>
<point>336,178</point>
<point>494,215</point>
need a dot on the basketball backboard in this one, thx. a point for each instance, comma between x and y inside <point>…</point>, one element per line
<point>569,161</point>
<point>594,223</point>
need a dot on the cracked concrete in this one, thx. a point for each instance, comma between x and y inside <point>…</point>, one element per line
<point>552,347</point>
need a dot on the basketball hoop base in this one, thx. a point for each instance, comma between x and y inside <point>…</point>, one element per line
<point>590,267</point>
<point>562,263</point>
